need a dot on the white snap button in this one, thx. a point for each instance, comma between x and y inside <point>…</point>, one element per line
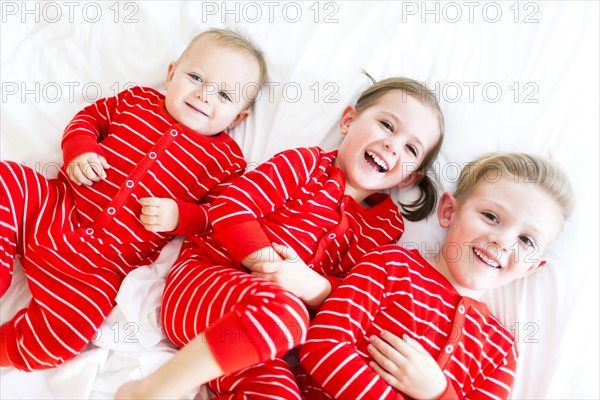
<point>111,210</point>
<point>173,132</point>
<point>89,231</point>
<point>461,309</point>
<point>129,184</point>
<point>152,155</point>
<point>449,349</point>
<point>332,236</point>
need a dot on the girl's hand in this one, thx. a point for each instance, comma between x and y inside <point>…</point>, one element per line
<point>87,168</point>
<point>406,366</point>
<point>159,214</point>
<point>263,260</point>
<point>293,274</point>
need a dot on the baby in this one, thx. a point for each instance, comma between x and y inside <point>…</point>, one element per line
<point>139,168</point>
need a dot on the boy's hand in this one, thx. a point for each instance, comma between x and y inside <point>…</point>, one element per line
<point>406,366</point>
<point>293,274</point>
<point>159,214</point>
<point>87,168</point>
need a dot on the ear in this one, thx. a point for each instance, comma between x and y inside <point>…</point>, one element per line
<point>170,73</point>
<point>239,118</point>
<point>410,179</point>
<point>348,117</point>
<point>534,268</point>
<point>446,209</point>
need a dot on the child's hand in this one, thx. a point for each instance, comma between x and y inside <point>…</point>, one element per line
<point>293,274</point>
<point>87,168</point>
<point>159,214</point>
<point>263,260</point>
<point>406,366</point>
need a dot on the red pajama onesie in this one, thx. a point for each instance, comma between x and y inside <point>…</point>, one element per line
<point>77,243</point>
<point>295,199</point>
<point>396,290</point>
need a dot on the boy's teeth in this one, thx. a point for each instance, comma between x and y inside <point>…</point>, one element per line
<point>378,161</point>
<point>489,262</point>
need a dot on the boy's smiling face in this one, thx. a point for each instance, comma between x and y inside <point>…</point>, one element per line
<point>210,87</point>
<point>497,234</point>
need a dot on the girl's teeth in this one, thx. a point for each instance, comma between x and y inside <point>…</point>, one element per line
<point>378,161</point>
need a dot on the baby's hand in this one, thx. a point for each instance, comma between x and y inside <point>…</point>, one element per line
<point>294,275</point>
<point>87,168</point>
<point>159,214</point>
<point>406,366</point>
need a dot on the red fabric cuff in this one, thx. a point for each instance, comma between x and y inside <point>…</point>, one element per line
<point>193,218</point>
<point>4,336</point>
<point>80,144</point>
<point>232,343</point>
<point>242,239</point>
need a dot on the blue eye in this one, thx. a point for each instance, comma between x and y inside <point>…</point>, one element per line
<point>527,241</point>
<point>225,96</point>
<point>196,77</point>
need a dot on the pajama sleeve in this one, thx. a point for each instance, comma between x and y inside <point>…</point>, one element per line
<point>88,127</point>
<point>235,215</point>
<point>335,355</point>
<point>193,217</point>
<point>330,353</point>
<point>496,384</point>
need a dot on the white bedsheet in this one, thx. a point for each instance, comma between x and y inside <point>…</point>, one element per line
<point>511,76</point>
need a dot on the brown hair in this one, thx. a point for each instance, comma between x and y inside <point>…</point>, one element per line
<point>425,203</point>
<point>520,167</point>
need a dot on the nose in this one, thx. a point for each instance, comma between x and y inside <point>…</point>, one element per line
<point>200,94</point>
<point>501,239</point>
<point>390,147</point>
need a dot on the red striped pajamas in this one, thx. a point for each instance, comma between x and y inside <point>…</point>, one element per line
<point>295,199</point>
<point>396,290</point>
<point>77,243</point>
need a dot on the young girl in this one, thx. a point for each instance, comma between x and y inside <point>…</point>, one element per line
<point>297,223</point>
<point>139,168</point>
<point>402,325</point>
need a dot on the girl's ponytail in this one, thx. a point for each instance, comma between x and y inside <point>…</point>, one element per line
<point>425,203</point>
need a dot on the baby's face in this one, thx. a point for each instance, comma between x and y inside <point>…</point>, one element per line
<point>498,234</point>
<point>210,87</point>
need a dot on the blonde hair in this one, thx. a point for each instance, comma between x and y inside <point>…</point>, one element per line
<point>231,39</point>
<point>520,167</point>
<point>425,203</point>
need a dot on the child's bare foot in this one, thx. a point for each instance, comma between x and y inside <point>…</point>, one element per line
<point>146,389</point>
<point>131,390</point>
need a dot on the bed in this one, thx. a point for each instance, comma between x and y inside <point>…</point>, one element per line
<point>511,76</point>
